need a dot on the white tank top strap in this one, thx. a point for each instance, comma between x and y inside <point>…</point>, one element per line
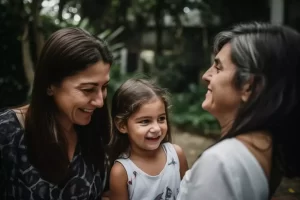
<point>126,164</point>
<point>131,171</point>
<point>171,154</point>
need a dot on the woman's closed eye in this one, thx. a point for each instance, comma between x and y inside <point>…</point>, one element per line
<point>89,90</point>
<point>104,87</point>
<point>217,67</point>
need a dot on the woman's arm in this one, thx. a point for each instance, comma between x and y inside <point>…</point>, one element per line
<point>118,183</point>
<point>182,159</point>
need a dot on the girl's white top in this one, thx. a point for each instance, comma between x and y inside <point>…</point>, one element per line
<point>226,171</point>
<point>164,186</point>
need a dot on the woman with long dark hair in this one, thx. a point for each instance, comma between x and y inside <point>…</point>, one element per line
<point>54,147</point>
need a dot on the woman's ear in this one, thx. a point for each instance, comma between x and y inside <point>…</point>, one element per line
<point>246,92</point>
<point>247,89</point>
<point>121,126</point>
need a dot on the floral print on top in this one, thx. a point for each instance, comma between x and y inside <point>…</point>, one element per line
<point>20,180</point>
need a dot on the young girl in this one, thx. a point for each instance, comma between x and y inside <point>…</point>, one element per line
<point>146,165</point>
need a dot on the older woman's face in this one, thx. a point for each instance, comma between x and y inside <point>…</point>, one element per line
<point>222,99</point>
<point>79,95</point>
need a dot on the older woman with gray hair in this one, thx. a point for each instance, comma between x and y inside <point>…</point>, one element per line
<point>253,93</point>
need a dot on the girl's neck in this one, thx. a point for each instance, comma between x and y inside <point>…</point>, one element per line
<point>152,162</point>
<point>136,152</point>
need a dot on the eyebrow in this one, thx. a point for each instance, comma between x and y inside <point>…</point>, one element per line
<point>92,83</point>
<point>218,62</point>
<point>148,117</point>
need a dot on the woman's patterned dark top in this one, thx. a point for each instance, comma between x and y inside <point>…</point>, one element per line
<point>20,180</point>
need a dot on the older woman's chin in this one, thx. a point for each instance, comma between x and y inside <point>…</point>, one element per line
<point>206,105</point>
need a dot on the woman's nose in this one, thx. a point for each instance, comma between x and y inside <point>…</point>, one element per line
<point>98,100</point>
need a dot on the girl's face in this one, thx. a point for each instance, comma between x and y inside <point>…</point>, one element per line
<point>147,127</point>
<point>79,95</point>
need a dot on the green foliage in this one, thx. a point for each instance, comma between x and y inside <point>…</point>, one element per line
<point>173,73</point>
<point>13,85</point>
<point>169,72</point>
<point>117,78</point>
<point>187,113</point>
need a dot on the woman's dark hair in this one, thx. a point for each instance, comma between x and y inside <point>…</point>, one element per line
<point>127,100</point>
<point>68,51</point>
<point>270,55</point>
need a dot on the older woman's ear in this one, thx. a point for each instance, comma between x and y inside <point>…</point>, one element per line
<point>246,92</point>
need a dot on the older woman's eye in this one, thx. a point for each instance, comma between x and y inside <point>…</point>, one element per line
<point>89,90</point>
<point>104,87</point>
<point>217,68</point>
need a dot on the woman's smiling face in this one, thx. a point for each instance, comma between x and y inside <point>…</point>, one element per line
<point>79,95</point>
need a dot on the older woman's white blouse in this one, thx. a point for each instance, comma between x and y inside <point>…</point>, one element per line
<point>226,171</point>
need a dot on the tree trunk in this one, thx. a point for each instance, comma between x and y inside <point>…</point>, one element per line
<point>27,59</point>
<point>37,32</point>
<point>159,23</point>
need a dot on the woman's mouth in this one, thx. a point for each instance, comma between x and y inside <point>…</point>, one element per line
<point>86,110</point>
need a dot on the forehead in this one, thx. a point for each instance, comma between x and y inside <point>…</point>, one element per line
<point>224,56</point>
<point>97,73</point>
<point>153,107</point>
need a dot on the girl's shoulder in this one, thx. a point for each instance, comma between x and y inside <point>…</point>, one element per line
<point>178,155</point>
<point>173,148</point>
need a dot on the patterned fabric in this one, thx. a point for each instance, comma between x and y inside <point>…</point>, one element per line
<point>164,186</point>
<point>20,180</point>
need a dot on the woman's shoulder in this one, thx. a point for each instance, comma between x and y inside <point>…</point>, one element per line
<point>5,112</point>
<point>229,151</point>
<point>7,116</point>
<point>233,154</point>
<point>225,147</point>
<point>9,126</point>
<point>230,156</point>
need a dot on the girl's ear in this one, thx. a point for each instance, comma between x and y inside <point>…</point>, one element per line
<point>121,126</point>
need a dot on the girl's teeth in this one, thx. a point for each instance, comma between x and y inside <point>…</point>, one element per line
<point>152,138</point>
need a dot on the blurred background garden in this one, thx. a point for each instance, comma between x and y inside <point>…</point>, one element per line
<point>167,40</point>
